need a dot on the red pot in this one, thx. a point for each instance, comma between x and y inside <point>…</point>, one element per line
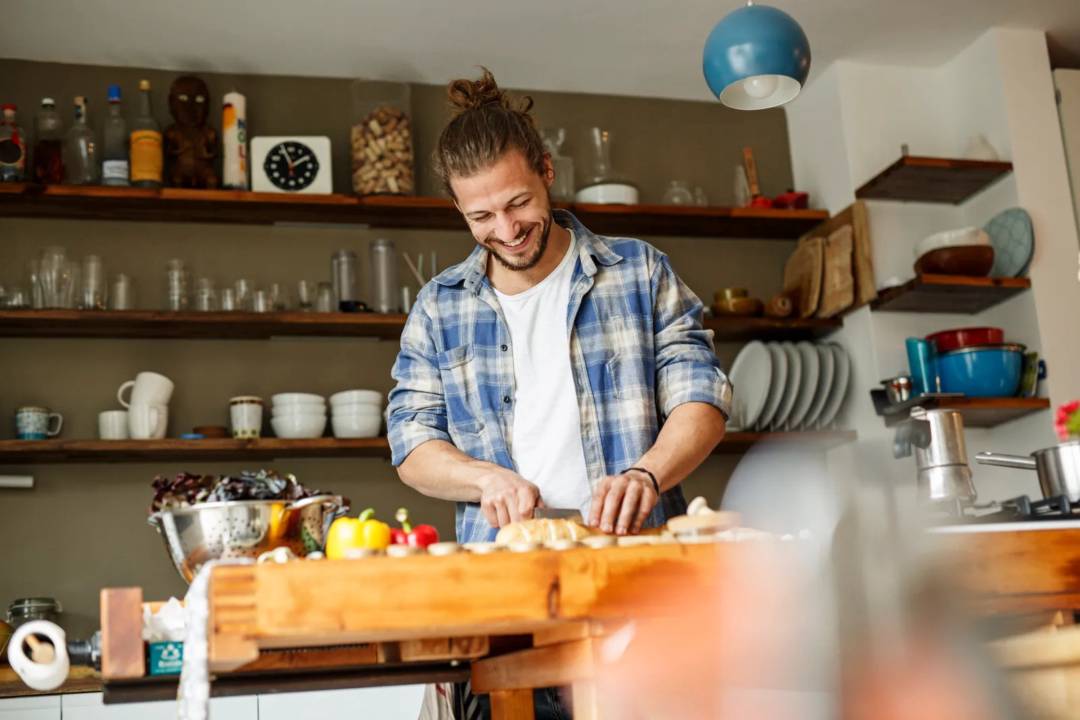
<point>947,340</point>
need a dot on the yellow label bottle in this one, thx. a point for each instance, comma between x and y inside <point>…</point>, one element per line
<point>146,156</point>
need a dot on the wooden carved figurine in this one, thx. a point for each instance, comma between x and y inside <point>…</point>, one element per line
<point>191,145</point>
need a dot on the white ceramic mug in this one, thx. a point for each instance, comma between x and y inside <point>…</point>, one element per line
<point>148,388</point>
<point>148,422</point>
<point>113,425</point>
<point>246,413</point>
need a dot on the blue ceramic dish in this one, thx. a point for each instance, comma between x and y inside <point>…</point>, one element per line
<point>988,371</point>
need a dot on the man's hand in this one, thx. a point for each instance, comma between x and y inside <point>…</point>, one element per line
<point>506,497</point>
<point>622,502</point>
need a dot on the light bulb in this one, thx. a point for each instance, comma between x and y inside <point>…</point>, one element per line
<point>760,86</point>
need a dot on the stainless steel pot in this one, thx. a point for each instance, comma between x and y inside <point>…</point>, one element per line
<point>1058,468</point>
<point>244,528</point>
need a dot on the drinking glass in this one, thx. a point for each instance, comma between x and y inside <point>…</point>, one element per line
<point>228,299</point>
<point>244,288</point>
<point>324,298</point>
<point>122,296</point>
<point>305,295</point>
<point>93,284</point>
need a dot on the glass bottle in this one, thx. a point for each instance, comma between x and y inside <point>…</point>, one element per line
<point>563,187</point>
<point>114,165</point>
<point>80,149</point>
<point>48,144</point>
<point>12,147</point>
<point>145,151</point>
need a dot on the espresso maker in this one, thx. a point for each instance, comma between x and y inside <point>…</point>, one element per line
<point>937,438</point>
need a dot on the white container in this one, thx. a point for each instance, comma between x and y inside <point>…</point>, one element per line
<point>356,426</point>
<point>952,238</point>
<point>298,427</point>
<point>296,398</point>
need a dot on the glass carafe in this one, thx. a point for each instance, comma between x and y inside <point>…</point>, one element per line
<point>598,169</point>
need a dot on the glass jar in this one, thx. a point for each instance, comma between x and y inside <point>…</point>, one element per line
<point>24,610</point>
<point>678,193</point>
<point>381,140</point>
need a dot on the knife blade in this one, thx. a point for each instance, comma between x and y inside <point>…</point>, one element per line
<point>559,514</point>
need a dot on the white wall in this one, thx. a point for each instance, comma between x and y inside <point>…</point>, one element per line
<point>1000,87</point>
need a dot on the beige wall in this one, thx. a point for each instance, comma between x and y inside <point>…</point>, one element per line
<point>83,526</point>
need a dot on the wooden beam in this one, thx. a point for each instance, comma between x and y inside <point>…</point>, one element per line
<point>121,634</point>
<point>548,666</point>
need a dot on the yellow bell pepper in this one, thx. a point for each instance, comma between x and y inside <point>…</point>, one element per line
<point>363,532</point>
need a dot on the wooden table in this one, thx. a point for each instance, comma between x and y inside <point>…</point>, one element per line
<point>311,624</point>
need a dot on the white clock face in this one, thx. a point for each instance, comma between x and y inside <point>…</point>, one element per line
<point>291,166</point>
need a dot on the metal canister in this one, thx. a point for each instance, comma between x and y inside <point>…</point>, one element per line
<point>385,294</point>
<point>24,610</point>
<point>343,271</point>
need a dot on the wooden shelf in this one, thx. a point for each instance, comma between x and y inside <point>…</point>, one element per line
<point>948,294</point>
<point>933,180</point>
<point>977,412</point>
<point>431,213</point>
<point>256,326</point>
<point>20,452</point>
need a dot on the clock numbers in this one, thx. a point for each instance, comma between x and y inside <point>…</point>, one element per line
<point>291,166</point>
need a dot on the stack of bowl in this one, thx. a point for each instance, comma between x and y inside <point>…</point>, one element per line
<point>356,413</point>
<point>977,362</point>
<point>298,415</point>
<point>965,251</point>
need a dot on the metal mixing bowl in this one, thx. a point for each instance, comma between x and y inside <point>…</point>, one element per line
<point>244,528</point>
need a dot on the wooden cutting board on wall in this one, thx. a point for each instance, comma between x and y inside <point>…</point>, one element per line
<point>846,271</point>
<point>802,275</point>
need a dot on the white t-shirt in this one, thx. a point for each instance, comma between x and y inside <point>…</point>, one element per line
<point>546,441</point>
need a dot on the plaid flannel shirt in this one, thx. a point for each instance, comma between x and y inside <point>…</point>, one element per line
<point>637,345</point>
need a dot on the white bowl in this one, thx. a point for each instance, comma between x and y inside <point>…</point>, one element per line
<point>295,427</point>
<point>298,412</point>
<point>356,426</point>
<point>356,409</point>
<point>357,396</point>
<point>297,398</point>
<point>952,238</point>
<point>608,194</point>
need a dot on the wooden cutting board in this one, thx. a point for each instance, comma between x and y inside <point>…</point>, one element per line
<point>862,266</point>
<point>802,275</point>
<point>838,283</point>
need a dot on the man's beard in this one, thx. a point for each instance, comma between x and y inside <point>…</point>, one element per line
<point>531,260</point>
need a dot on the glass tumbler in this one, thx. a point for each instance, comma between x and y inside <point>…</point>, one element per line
<point>93,284</point>
<point>122,295</point>
<point>324,298</point>
<point>177,285</point>
<point>305,295</point>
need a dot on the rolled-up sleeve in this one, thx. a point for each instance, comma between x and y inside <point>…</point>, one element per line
<point>687,369</point>
<point>416,410</point>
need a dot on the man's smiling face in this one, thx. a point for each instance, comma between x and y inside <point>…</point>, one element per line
<point>508,209</point>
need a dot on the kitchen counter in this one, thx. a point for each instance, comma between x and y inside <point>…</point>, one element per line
<point>80,680</point>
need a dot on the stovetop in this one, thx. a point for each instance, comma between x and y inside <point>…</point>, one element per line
<point>1019,513</point>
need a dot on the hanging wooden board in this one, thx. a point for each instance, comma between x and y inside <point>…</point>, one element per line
<point>862,265</point>
<point>838,283</point>
<point>802,275</point>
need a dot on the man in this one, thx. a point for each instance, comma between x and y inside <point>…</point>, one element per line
<point>553,367</point>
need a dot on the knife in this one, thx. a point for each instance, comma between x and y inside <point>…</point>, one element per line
<point>559,514</point>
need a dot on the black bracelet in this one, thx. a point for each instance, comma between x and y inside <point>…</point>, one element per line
<point>656,485</point>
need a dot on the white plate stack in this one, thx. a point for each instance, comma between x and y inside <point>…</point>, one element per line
<point>298,416</point>
<point>356,413</point>
<point>788,386</point>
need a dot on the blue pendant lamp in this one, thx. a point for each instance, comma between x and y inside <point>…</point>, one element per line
<point>757,57</point>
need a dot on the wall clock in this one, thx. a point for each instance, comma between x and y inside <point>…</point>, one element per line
<point>291,164</point>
